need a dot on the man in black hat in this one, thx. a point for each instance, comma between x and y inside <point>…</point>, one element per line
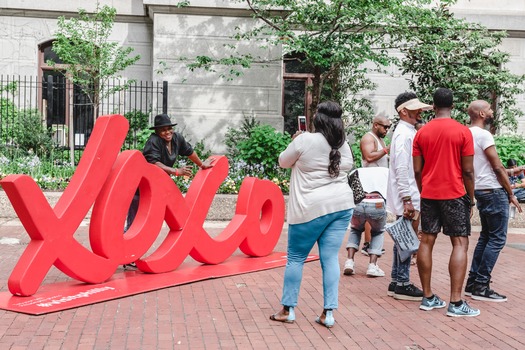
<point>162,149</point>
<point>164,146</point>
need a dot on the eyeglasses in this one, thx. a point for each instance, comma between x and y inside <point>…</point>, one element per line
<point>385,126</point>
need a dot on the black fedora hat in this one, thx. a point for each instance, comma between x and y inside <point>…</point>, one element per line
<point>162,120</point>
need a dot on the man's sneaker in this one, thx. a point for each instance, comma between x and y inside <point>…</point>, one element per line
<point>131,265</point>
<point>391,289</point>
<point>349,267</point>
<point>364,249</point>
<point>374,271</point>
<point>468,288</point>
<point>433,303</point>
<point>463,310</point>
<point>484,293</point>
<point>408,292</point>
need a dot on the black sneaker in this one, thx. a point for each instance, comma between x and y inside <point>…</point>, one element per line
<point>468,287</point>
<point>391,289</point>
<point>408,292</point>
<point>131,265</point>
<point>484,293</point>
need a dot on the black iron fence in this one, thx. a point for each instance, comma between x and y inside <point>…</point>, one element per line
<point>51,113</point>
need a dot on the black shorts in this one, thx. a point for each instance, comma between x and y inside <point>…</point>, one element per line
<point>451,214</point>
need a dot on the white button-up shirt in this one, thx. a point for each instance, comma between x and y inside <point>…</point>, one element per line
<point>401,179</point>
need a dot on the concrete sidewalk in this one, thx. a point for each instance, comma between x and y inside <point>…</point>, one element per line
<point>232,312</point>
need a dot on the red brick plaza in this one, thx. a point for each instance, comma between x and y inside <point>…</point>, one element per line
<point>232,312</point>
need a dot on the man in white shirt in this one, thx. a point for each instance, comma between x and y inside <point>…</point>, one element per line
<point>403,195</point>
<point>493,194</point>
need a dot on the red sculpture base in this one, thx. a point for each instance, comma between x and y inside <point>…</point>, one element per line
<point>72,294</point>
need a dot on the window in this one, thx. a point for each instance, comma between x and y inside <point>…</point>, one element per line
<point>65,105</point>
<point>296,95</point>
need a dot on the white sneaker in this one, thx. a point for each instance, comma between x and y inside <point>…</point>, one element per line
<point>374,271</point>
<point>349,267</point>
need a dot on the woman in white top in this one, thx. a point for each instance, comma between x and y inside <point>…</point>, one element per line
<point>319,207</point>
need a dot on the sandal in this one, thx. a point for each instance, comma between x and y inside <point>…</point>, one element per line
<point>281,317</point>
<point>329,320</point>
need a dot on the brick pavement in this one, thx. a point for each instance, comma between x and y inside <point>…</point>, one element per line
<point>232,312</point>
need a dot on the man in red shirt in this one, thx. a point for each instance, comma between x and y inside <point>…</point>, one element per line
<point>443,153</point>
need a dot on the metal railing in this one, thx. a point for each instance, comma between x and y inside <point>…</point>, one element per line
<point>42,112</point>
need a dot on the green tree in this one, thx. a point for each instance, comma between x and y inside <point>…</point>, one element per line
<point>340,40</point>
<point>464,57</point>
<point>88,57</point>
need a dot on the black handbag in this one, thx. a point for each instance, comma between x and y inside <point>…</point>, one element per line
<point>355,185</point>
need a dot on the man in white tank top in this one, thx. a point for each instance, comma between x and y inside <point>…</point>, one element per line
<point>374,153</point>
<point>373,149</point>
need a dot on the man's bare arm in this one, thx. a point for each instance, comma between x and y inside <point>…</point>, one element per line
<point>501,174</point>
<point>418,170</point>
<point>467,171</point>
<point>369,149</point>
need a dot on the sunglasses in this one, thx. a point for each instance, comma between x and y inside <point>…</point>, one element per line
<point>385,126</point>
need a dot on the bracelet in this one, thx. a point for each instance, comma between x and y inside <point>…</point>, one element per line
<point>385,150</point>
<point>176,172</point>
<point>406,199</point>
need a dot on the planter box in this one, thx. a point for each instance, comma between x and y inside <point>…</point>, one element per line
<point>222,209</point>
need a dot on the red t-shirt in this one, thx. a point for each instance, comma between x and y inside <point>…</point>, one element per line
<point>442,142</point>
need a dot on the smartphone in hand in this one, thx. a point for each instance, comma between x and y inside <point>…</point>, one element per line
<point>301,123</point>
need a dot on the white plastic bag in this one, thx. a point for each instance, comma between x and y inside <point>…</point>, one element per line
<point>404,237</point>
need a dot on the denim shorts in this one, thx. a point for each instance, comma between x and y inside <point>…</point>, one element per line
<point>453,215</point>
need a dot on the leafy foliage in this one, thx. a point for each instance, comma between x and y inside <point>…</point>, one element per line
<point>263,147</point>
<point>30,134</point>
<point>8,117</point>
<point>234,136</point>
<point>464,57</point>
<point>89,59</point>
<point>341,41</point>
<point>21,130</point>
<point>48,174</point>
<point>138,128</point>
<point>510,146</point>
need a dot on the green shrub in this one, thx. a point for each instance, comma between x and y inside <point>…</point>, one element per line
<point>263,147</point>
<point>510,146</point>
<point>31,135</point>
<point>234,136</point>
<point>138,128</point>
<point>8,117</point>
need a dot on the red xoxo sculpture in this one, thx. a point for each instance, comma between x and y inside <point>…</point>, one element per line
<point>107,180</point>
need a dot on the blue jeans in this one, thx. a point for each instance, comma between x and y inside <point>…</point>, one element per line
<point>493,210</point>
<point>519,193</point>
<point>375,215</point>
<point>400,269</point>
<point>328,231</point>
